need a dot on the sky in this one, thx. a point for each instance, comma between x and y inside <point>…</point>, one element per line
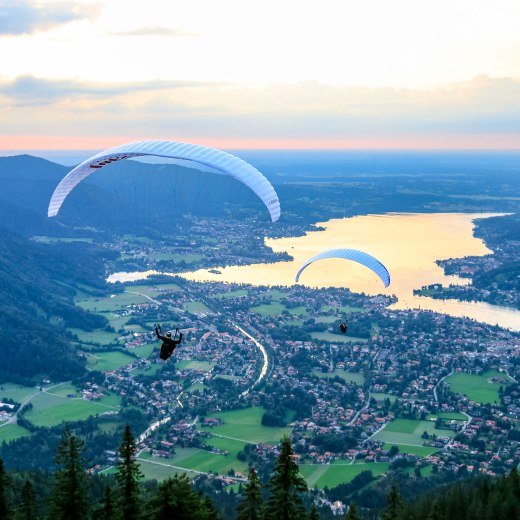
<point>400,74</point>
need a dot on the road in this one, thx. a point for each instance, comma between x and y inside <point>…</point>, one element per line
<point>265,364</point>
<point>262,349</point>
<point>438,383</point>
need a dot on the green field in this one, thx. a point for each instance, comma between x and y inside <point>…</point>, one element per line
<point>16,392</point>
<point>51,410</point>
<point>330,475</point>
<point>476,387</point>
<point>448,416</point>
<point>111,303</point>
<point>149,371</point>
<point>200,460</point>
<point>276,308</point>
<point>245,425</point>
<point>336,338</point>
<point>63,390</point>
<point>193,364</point>
<point>9,432</point>
<point>409,431</point>
<point>98,336</point>
<point>197,308</point>
<point>154,470</point>
<point>379,396</point>
<point>106,361</point>
<point>420,451</point>
<point>144,351</point>
<point>349,377</point>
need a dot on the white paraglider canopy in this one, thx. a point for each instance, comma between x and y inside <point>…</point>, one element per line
<point>216,160</point>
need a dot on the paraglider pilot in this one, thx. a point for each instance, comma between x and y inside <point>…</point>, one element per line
<point>169,343</point>
<point>343,327</point>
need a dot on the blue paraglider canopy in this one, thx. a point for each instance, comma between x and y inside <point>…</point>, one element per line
<point>350,254</point>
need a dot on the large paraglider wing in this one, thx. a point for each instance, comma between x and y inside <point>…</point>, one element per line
<point>351,254</point>
<point>217,160</point>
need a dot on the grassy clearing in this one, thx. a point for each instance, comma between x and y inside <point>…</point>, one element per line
<point>197,308</point>
<point>111,303</point>
<point>448,416</point>
<point>17,393</point>
<point>149,371</point>
<point>409,431</point>
<point>336,338</point>
<point>348,377</point>
<point>153,470</point>
<point>193,364</point>
<point>63,390</point>
<point>478,388</point>
<point>380,396</point>
<point>10,432</point>
<point>197,460</point>
<point>268,309</point>
<point>420,451</point>
<point>51,410</point>
<point>245,425</point>
<point>330,475</point>
<point>106,361</point>
<point>143,351</point>
<point>98,336</point>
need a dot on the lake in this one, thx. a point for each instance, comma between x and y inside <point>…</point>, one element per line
<point>407,243</point>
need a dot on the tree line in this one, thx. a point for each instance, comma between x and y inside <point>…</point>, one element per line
<point>71,492</point>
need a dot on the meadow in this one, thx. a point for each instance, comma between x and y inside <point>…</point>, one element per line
<point>477,387</point>
<point>348,377</point>
<point>106,361</point>
<point>330,475</point>
<point>10,432</point>
<point>193,364</point>
<point>408,432</point>
<point>51,409</point>
<point>245,425</point>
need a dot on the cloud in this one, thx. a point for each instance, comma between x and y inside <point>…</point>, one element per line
<point>483,110</point>
<point>154,30</point>
<point>29,90</point>
<point>19,17</point>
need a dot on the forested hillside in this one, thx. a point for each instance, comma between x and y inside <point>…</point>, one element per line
<point>37,285</point>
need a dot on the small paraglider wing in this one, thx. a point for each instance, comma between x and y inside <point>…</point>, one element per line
<point>351,254</point>
<point>219,161</point>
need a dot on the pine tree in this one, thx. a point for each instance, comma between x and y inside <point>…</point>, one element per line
<point>352,512</point>
<point>176,498</point>
<point>395,505</point>
<point>435,513</point>
<point>28,507</point>
<point>127,478</point>
<point>5,511</point>
<point>286,486</point>
<point>107,510</point>
<point>69,499</point>
<point>252,504</point>
<point>314,515</point>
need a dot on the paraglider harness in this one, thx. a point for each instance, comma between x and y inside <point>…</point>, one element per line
<point>169,343</point>
<point>343,327</point>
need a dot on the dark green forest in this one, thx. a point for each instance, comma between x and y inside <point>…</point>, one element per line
<point>70,492</point>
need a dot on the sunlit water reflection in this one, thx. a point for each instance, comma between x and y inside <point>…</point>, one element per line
<point>408,244</point>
